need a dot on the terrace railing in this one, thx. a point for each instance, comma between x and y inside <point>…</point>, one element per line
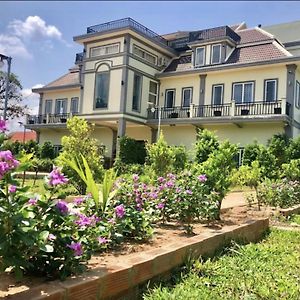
<point>49,118</point>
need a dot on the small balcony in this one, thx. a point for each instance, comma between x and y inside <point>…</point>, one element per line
<point>229,110</point>
<point>48,119</point>
<point>79,58</point>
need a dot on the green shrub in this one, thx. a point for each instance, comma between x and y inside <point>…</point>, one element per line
<point>278,146</point>
<point>131,151</point>
<point>47,151</point>
<point>291,170</point>
<point>206,144</point>
<point>294,149</point>
<point>180,158</point>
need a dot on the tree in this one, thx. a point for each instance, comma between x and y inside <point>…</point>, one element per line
<point>80,142</point>
<point>15,106</point>
<point>278,145</point>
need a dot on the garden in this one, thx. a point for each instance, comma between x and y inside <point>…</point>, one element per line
<point>81,212</point>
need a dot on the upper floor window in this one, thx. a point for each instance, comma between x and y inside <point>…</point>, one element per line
<point>170,98</point>
<point>270,93</point>
<point>137,92</point>
<point>48,106</point>
<point>101,90</point>
<point>216,54</point>
<point>186,96</point>
<point>74,105</point>
<point>153,89</point>
<point>105,50</point>
<point>297,94</point>
<point>199,56</point>
<point>243,92</point>
<point>144,54</point>
<point>217,94</point>
<point>61,106</point>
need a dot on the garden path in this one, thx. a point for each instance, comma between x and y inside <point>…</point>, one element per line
<point>235,199</point>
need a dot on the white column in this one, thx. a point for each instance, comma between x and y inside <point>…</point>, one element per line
<point>232,108</point>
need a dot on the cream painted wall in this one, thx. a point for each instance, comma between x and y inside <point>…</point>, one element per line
<point>178,83</point>
<point>141,66</point>
<point>52,135</point>
<point>139,133</point>
<point>114,91</point>
<point>60,94</point>
<point>113,61</point>
<point>105,42</point>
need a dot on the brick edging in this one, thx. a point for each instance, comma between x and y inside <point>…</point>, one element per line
<point>290,211</point>
<point>103,283</point>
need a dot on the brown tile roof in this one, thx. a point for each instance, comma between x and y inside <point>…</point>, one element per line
<point>70,78</point>
<point>19,136</point>
<point>255,53</point>
<point>253,35</point>
<point>183,63</point>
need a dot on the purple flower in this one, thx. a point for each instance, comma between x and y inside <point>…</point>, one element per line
<point>12,189</point>
<point>3,126</point>
<point>78,201</point>
<point>153,195</point>
<point>32,201</point>
<point>170,184</point>
<point>135,177</point>
<point>56,177</point>
<point>7,162</point>
<point>84,220</point>
<point>160,205</point>
<point>160,179</point>
<point>171,176</point>
<point>112,221</point>
<point>102,240</point>
<point>178,190</point>
<point>189,192</point>
<point>120,211</point>
<point>51,237</point>
<point>76,247</point>
<point>62,206</point>
<point>202,178</point>
<point>139,207</point>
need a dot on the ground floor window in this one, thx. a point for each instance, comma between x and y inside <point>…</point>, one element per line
<point>57,149</point>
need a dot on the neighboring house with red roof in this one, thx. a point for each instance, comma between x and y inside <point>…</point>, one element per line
<point>22,136</point>
<point>243,83</point>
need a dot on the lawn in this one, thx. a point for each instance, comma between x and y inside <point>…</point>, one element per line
<point>267,270</point>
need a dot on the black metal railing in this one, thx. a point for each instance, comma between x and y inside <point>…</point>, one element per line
<point>49,118</point>
<point>79,58</point>
<point>224,110</point>
<point>124,23</point>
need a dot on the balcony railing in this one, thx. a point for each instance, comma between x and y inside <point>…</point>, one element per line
<point>125,23</point>
<point>49,118</point>
<point>258,108</point>
<point>79,58</point>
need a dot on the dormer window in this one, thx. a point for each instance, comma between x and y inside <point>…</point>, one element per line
<point>216,54</point>
<point>199,56</point>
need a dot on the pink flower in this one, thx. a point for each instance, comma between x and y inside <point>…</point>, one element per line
<point>76,247</point>
<point>160,205</point>
<point>160,179</point>
<point>51,237</point>
<point>102,240</point>
<point>3,126</point>
<point>7,162</point>
<point>170,184</point>
<point>120,211</point>
<point>202,178</point>
<point>171,176</point>
<point>56,177</point>
<point>135,177</point>
<point>189,192</point>
<point>32,201</point>
<point>78,201</point>
<point>12,189</point>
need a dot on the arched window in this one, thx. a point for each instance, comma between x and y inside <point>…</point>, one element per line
<point>102,87</point>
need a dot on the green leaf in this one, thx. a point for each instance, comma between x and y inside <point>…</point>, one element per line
<point>44,235</point>
<point>47,248</point>
<point>28,214</point>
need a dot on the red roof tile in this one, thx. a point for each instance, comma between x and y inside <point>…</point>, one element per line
<point>19,136</point>
<point>253,35</point>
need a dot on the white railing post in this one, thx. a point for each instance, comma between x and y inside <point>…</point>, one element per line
<point>283,106</point>
<point>191,110</point>
<point>232,112</point>
<point>47,118</point>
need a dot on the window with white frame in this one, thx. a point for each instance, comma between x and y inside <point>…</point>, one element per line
<point>48,106</point>
<point>216,54</point>
<point>74,105</point>
<point>105,50</point>
<point>243,92</point>
<point>217,94</point>
<point>186,96</point>
<point>297,94</point>
<point>270,92</point>
<point>153,90</point>
<point>144,54</point>
<point>61,106</point>
<point>199,56</point>
<point>170,98</point>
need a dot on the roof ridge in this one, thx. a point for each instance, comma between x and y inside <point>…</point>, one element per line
<point>281,48</point>
<point>56,79</point>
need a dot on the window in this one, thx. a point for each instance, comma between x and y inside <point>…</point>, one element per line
<point>137,92</point>
<point>48,107</point>
<point>217,94</point>
<point>144,55</point>
<point>186,97</point>
<point>216,54</point>
<point>200,56</point>
<point>101,90</point>
<point>105,50</point>
<point>270,90</point>
<point>153,92</point>
<point>170,98</point>
<point>74,105</point>
<point>243,92</point>
<point>297,94</point>
<point>61,106</point>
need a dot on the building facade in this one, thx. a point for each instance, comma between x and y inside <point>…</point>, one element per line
<point>243,83</point>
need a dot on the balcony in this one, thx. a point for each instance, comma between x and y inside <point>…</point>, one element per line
<point>229,110</point>
<point>126,23</point>
<point>48,119</point>
<point>79,58</point>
